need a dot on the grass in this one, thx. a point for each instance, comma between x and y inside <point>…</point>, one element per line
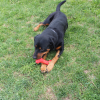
<point>76,75</point>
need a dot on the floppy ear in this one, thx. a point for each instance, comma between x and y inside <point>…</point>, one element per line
<point>36,37</point>
<point>52,42</point>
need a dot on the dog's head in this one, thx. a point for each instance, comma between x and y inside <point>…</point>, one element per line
<point>42,46</point>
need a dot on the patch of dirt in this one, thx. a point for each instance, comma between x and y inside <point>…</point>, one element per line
<point>29,22</point>
<point>68,98</point>
<point>50,94</point>
<point>80,24</point>
<point>92,77</point>
<point>32,38</point>
<point>91,30</point>
<point>4,25</point>
<point>71,47</point>
<point>1,89</point>
<point>16,74</point>
<point>73,61</point>
<point>86,71</point>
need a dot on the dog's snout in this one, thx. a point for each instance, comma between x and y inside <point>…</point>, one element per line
<point>34,57</point>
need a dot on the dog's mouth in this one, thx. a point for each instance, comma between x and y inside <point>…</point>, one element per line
<point>41,55</point>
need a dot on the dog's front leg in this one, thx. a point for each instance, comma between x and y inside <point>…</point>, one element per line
<point>43,66</point>
<point>53,61</point>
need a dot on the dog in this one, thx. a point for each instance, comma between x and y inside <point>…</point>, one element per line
<point>52,38</point>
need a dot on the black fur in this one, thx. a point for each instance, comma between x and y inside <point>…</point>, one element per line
<point>52,36</point>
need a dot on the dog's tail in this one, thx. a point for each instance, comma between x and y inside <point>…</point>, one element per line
<point>58,7</point>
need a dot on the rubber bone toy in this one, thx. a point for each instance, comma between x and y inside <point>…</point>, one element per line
<point>41,60</point>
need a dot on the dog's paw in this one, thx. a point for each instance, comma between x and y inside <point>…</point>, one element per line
<point>50,67</point>
<point>43,68</point>
<point>35,29</point>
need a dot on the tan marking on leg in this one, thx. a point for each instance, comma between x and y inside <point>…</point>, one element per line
<point>46,24</point>
<point>39,55</point>
<point>53,61</point>
<point>37,27</point>
<point>58,48</point>
<point>43,66</point>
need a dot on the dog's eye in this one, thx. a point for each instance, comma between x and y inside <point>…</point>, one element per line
<point>40,48</point>
<point>36,46</point>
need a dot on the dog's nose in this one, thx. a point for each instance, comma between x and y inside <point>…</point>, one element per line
<point>34,57</point>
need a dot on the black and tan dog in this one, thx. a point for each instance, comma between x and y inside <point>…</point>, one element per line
<point>51,38</point>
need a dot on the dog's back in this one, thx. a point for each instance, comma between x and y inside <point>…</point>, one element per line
<point>59,20</point>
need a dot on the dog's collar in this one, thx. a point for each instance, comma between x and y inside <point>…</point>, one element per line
<point>54,31</point>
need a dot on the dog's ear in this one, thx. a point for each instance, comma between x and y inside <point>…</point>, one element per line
<point>52,42</point>
<point>36,37</point>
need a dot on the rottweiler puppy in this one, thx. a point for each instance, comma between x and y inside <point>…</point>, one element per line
<point>52,38</point>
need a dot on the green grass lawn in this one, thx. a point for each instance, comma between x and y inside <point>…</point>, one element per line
<point>76,75</point>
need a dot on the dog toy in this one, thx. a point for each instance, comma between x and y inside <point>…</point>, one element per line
<point>41,60</point>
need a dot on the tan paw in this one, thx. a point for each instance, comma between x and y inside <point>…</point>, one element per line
<point>35,29</point>
<point>50,66</point>
<point>43,68</point>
